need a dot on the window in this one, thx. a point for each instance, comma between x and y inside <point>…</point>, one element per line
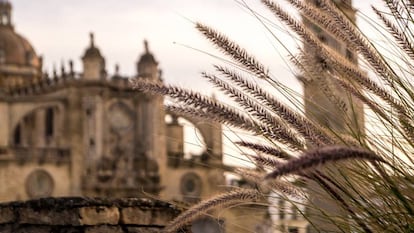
<point>294,213</point>
<point>49,123</point>
<point>281,209</point>
<point>88,112</point>
<point>17,135</point>
<point>293,230</point>
<point>92,142</point>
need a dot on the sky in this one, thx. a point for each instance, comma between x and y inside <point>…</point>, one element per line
<point>59,31</point>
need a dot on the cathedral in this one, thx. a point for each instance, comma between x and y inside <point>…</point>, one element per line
<point>90,133</point>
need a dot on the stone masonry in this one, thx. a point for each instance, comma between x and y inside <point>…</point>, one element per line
<point>86,215</point>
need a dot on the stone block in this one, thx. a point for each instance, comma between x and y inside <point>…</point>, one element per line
<point>143,230</point>
<point>135,216</point>
<point>6,215</point>
<point>104,229</point>
<point>32,229</point>
<point>6,228</point>
<point>99,215</point>
<point>161,217</point>
<point>67,229</point>
<point>48,216</point>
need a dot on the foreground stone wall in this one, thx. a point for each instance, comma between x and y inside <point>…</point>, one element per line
<point>85,215</point>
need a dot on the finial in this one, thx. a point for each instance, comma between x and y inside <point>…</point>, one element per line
<point>71,67</point>
<point>45,74</point>
<point>91,36</point>
<point>146,46</point>
<point>160,74</point>
<point>41,60</point>
<point>62,68</point>
<point>117,69</point>
<point>54,71</point>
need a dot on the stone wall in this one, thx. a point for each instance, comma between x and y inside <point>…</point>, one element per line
<point>85,215</point>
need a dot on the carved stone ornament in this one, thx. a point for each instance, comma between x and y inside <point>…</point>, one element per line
<point>191,184</point>
<point>39,183</point>
<point>119,117</point>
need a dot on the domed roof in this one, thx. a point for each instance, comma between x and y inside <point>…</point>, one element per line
<point>147,57</point>
<point>15,49</point>
<point>92,51</point>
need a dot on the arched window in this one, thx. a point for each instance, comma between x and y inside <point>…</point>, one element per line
<point>293,230</point>
<point>49,123</point>
<point>281,205</point>
<point>17,137</point>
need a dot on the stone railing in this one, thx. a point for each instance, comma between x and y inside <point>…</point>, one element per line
<point>47,84</point>
<point>40,155</point>
<point>86,215</point>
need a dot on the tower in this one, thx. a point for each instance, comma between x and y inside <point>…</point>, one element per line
<point>147,66</point>
<point>151,114</point>
<point>93,62</point>
<point>322,95</point>
<point>328,104</point>
<point>5,13</point>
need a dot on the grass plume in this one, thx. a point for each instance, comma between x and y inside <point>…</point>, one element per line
<point>368,172</point>
<point>221,200</point>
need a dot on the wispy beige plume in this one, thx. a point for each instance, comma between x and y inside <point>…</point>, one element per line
<point>314,158</point>
<point>221,200</point>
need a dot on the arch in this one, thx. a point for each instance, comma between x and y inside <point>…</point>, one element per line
<point>20,111</point>
<point>194,143</point>
<point>210,132</point>
<point>120,115</point>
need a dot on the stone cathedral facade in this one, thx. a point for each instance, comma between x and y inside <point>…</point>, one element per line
<point>89,133</point>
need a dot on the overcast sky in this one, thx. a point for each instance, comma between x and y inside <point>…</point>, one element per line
<point>59,31</point>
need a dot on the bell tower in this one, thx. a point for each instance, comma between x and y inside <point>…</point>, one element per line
<point>147,66</point>
<point>5,13</point>
<point>93,62</point>
<point>328,104</point>
<point>325,101</point>
<point>151,111</point>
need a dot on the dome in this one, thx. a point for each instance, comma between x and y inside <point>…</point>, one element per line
<point>15,49</point>
<point>92,51</point>
<point>147,57</point>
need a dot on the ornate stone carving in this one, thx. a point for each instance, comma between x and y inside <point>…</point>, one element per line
<point>39,183</point>
<point>191,186</point>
